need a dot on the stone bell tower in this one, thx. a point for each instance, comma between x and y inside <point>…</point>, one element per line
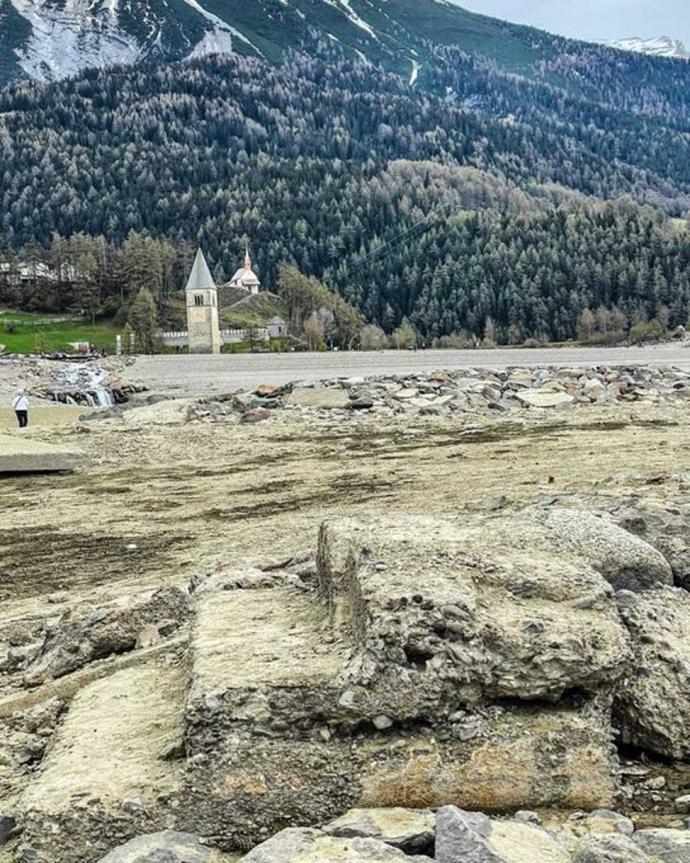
<point>202,309</point>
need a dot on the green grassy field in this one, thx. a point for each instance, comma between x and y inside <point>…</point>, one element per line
<point>26,333</point>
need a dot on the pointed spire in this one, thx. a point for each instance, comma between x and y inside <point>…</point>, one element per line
<point>200,279</point>
<point>247,259</point>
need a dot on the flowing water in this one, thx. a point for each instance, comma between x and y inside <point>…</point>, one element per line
<point>84,384</point>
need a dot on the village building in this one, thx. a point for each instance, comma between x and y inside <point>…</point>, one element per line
<point>277,328</point>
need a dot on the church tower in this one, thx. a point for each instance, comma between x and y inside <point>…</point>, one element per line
<point>202,309</point>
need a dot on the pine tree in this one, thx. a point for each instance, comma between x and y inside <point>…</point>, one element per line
<point>143,320</point>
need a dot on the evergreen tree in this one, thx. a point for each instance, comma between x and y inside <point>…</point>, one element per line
<point>143,320</point>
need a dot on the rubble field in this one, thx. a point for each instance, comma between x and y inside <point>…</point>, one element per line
<point>334,618</point>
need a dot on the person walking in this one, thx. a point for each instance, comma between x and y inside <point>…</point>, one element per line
<point>20,403</point>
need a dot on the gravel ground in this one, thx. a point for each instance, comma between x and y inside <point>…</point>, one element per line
<point>200,375</point>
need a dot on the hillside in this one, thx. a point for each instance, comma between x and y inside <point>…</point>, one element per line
<point>450,202</point>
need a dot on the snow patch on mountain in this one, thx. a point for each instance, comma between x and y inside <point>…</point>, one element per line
<point>221,33</point>
<point>416,66</point>
<point>65,40</point>
<point>659,46</point>
<point>344,5</point>
<point>215,41</point>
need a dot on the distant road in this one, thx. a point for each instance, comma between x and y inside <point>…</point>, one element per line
<point>195,374</point>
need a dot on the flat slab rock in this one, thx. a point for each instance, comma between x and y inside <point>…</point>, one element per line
<point>312,846</point>
<point>544,398</point>
<point>20,454</point>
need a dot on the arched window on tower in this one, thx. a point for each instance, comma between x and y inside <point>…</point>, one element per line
<point>198,299</point>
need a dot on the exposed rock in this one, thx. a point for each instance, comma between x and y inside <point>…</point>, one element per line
<point>165,413</point>
<point>255,415</point>
<point>165,847</point>
<point>461,633</point>
<point>604,821</point>
<point>609,849</point>
<point>471,391</point>
<point>625,560</point>
<point>318,397</point>
<point>312,846</point>
<point>469,837</point>
<point>7,826</point>
<point>653,702</point>
<point>411,830</point>
<point>75,641</point>
<point>668,846</point>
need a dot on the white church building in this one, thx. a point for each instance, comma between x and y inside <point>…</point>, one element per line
<point>245,278</point>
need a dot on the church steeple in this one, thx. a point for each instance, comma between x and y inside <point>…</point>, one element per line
<point>247,259</point>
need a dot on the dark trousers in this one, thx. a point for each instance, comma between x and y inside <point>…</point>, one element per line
<point>22,419</point>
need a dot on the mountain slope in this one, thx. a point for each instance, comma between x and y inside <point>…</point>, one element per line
<point>52,39</point>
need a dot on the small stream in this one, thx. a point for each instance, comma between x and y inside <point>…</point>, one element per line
<point>83,384</point>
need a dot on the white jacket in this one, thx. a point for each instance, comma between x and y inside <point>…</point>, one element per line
<point>20,403</point>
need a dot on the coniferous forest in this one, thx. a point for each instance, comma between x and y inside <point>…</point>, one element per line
<point>473,204</point>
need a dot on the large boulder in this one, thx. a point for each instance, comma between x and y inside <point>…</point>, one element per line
<point>653,701</point>
<point>168,846</point>
<point>470,837</point>
<point>312,846</point>
<point>626,561</point>
<point>411,830</point>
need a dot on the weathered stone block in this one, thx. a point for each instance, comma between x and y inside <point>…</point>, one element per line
<point>250,787</point>
<point>446,616</point>
<point>653,702</point>
<point>263,659</point>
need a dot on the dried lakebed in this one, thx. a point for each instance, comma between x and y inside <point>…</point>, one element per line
<point>101,636</point>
